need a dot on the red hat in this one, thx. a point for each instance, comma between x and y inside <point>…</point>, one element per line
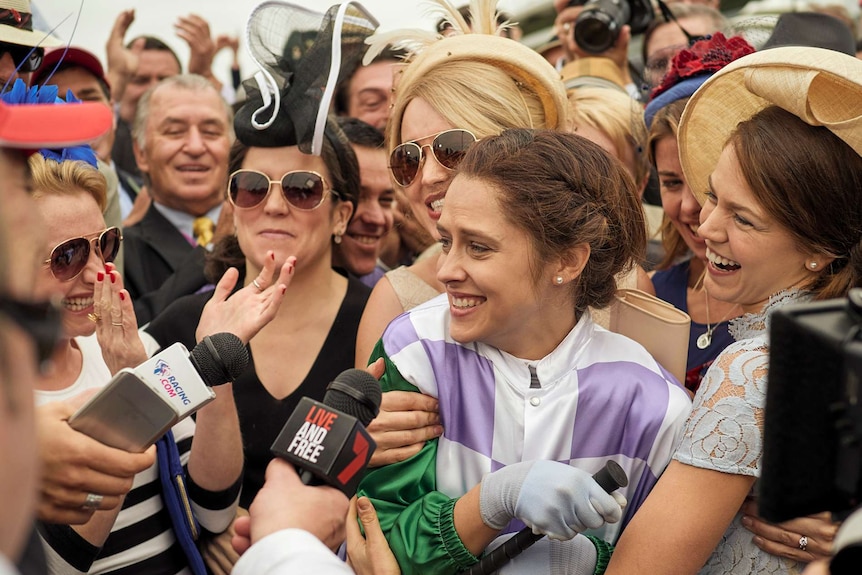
<point>70,56</point>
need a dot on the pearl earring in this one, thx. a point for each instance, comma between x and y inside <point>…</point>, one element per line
<point>559,280</point>
<point>812,266</point>
<point>337,238</point>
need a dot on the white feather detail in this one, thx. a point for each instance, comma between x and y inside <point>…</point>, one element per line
<point>483,15</point>
<point>447,11</point>
<point>413,40</point>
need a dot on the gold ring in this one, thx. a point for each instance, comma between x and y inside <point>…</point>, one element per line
<point>94,317</point>
<point>255,284</point>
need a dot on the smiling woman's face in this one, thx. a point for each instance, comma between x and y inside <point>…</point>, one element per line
<point>427,191</point>
<point>751,256</point>
<point>677,201</point>
<point>71,215</point>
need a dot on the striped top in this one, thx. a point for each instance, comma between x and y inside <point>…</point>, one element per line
<point>142,539</point>
<point>599,396</point>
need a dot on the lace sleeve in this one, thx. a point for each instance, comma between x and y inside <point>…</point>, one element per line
<point>724,429</point>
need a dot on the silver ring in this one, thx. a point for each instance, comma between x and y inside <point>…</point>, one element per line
<point>803,542</point>
<point>567,26</point>
<point>255,284</point>
<point>93,501</point>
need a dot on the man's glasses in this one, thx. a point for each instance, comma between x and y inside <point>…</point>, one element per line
<point>26,59</point>
<point>302,189</point>
<point>448,148</point>
<point>669,17</point>
<point>40,320</point>
<point>70,257</point>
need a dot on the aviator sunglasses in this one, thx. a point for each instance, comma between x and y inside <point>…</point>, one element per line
<point>302,189</point>
<point>448,148</point>
<point>70,257</point>
<point>26,59</point>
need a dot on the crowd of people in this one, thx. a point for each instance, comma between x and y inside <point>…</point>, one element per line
<point>453,212</point>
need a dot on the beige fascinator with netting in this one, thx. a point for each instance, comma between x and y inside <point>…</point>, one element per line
<point>821,87</point>
<point>477,42</point>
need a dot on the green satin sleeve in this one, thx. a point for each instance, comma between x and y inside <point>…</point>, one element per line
<point>416,518</point>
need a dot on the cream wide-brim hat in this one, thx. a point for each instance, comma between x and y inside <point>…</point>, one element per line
<point>821,87</point>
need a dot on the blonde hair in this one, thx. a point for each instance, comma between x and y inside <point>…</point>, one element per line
<point>52,177</point>
<point>470,95</point>
<point>475,79</point>
<point>619,117</point>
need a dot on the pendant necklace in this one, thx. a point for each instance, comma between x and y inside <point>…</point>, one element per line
<point>704,340</point>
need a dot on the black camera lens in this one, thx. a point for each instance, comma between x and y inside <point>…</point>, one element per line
<point>597,32</point>
<point>598,26</point>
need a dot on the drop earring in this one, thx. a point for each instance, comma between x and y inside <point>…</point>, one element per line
<point>559,280</point>
<point>337,239</point>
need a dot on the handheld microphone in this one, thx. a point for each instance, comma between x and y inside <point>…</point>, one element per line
<point>327,442</point>
<point>611,477</point>
<point>139,405</point>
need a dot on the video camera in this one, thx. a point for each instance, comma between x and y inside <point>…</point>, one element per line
<point>812,450</point>
<point>599,25</point>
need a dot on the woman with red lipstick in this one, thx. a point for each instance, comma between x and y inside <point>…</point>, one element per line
<point>287,207</point>
<point>773,154</point>
<point>534,396</point>
<point>122,523</point>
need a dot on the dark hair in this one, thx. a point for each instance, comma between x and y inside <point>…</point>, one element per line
<point>341,101</point>
<point>443,24</point>
<point>361,133</point>
<point>153,43</point>
<point>343,170</point>
<point>810,181</point>
<point>103,86</point>
<point>564,190</point>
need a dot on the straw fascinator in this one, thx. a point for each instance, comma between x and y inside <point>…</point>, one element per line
<point>475,42</point>
<point>821,87</point>
<point>302,55</point>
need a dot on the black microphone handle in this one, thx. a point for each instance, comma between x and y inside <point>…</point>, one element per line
<point>611,477</point>
<point>308,478</point>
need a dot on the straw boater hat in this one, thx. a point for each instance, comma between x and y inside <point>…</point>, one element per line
<point>16,25</point>
<point>821,87</point>
<point>476,42</point>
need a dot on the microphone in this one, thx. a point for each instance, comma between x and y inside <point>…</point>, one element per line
<point>219,358</point>
<point>611,477</point>
<point>327,442</point>
<point>140,404</point>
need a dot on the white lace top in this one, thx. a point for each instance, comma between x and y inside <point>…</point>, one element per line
<point>725,432</point>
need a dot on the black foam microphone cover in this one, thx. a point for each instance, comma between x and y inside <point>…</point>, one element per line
<point>219,358</point>
<point>356,393</point>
